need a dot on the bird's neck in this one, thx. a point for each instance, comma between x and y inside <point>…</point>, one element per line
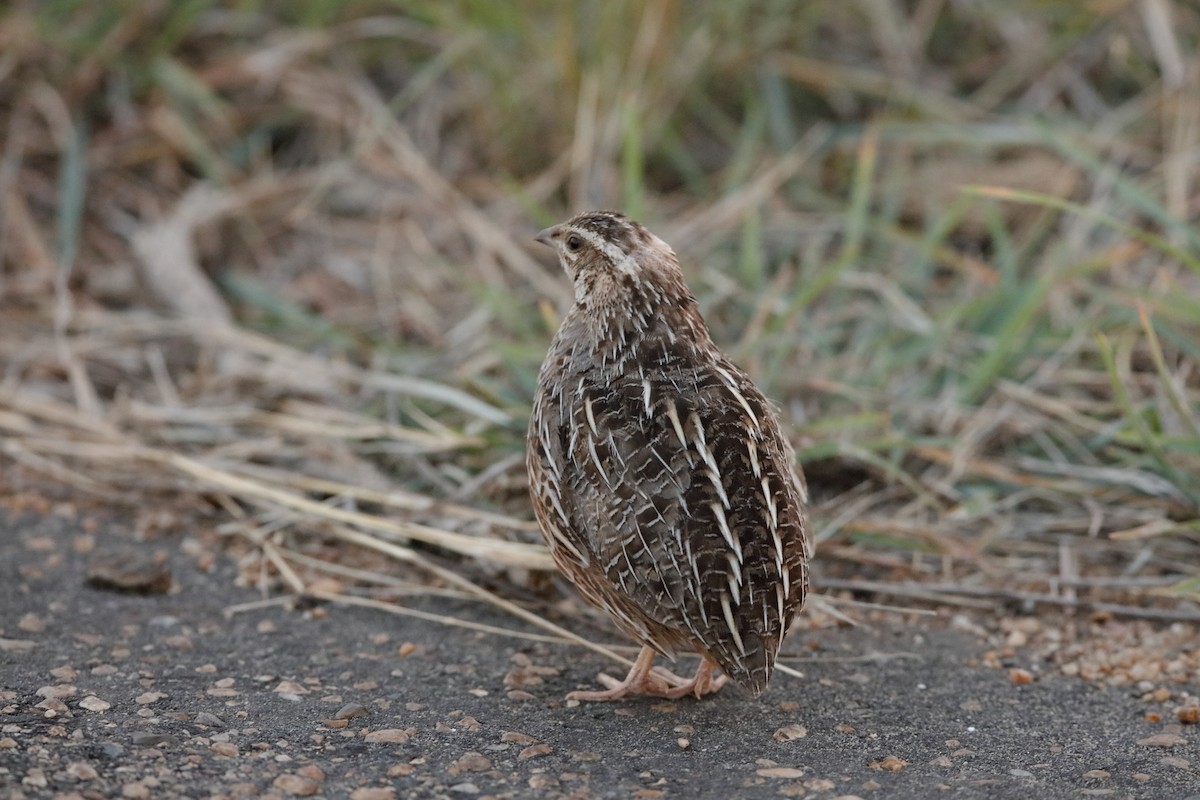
<point>636,328</point>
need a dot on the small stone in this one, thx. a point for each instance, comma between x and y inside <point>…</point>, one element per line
<point>66,674</point>
<point>135,791</point>
<point>57,692</point>
<point>1019,676</point>
<point>132,572</point>
<point>1097,774</point>
<point>819,784</point>
<point>227,749</point>
<point>290,687</point>
<point>783,773</point>
<point>352,710</point>
<point>152,739</point>
<point>1162,740</point>
<point>465,788</point>
<point>146,698</point>
<point>584,755</point>
<point>1017,772</point>
<point>297,785</point>
<point>95,704</point>
<point>82,771</point>
<point>1178,763</point>
<point>312,771</point>
<point>789,732</point>
<point>542,781</point>
<point>941,761</point>
<point>533,751</point>
<point>890,763</point>
<point>373,793</point>
<point>470,761</point>
<point>211,720</point>
<point>32,623</point>
<point>683,743</point>
<point>388,736</point>
<point>1188,715</point>
<point>513,737</point>
<point>400,770</point>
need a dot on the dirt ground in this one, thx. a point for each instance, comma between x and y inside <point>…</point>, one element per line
<point>104,694</point>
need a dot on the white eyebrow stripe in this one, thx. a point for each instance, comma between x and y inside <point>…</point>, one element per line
<point>622,261</point>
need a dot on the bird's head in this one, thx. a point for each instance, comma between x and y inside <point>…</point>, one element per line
<point>608,256</point>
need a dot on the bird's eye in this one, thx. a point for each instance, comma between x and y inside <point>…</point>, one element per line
<point>574,243</point>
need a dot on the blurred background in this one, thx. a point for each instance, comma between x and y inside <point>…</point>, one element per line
<point>267,268</point>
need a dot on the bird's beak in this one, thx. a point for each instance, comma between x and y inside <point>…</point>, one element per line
<point>544,237</point>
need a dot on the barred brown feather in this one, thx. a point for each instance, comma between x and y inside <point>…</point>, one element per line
<point>660,477</point>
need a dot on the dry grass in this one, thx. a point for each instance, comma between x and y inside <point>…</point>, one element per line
<point>275,265</point>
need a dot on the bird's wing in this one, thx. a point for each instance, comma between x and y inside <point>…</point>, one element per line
<point>681,493</point>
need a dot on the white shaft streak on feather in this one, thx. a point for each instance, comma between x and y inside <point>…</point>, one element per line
<point>646,397</point>
<point>732,384</point>
<point>723,524</point>
<point>673,415</point>
<point>734,578</point>
<point>591,417</point>
<point>753,448</point>
<point>737,637</point>
<point>770,499</point>
<point>780,596</point>
<point>596,460</point>
<point>714,473</point>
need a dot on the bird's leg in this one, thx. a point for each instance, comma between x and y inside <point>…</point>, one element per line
<point>703,683</point>
<point>640,680</point>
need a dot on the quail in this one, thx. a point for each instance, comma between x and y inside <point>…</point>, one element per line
<point>661,480</point>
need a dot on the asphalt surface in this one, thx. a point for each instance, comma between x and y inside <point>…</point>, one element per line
<point>105,694</point>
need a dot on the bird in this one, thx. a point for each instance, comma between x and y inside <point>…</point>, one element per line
<point>661,479</point>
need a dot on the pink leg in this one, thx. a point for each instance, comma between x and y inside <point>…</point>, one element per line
<point>640,680</point>
<point>703,683</point>
<point>644,678</point>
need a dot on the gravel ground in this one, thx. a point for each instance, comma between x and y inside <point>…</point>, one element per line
<point>106,694</point>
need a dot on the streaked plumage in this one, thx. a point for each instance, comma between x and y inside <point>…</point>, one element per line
<point>662,483</point>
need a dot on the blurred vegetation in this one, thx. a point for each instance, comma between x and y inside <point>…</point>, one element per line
<point>957,241</point>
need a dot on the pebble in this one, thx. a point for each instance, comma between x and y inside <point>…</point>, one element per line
<point>373,793</point>
<point>513,737</point>
<point>533,751</point>
<point>471,761</point>
<point>298,785</point>
<point>352,710</point>
<point>388,736</point>
<point>779,772</point>
<point>790,732</point>
<point>152,739</point>
<point>890,763</point>
<point>94,704</point>
<point>1162,740</point>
